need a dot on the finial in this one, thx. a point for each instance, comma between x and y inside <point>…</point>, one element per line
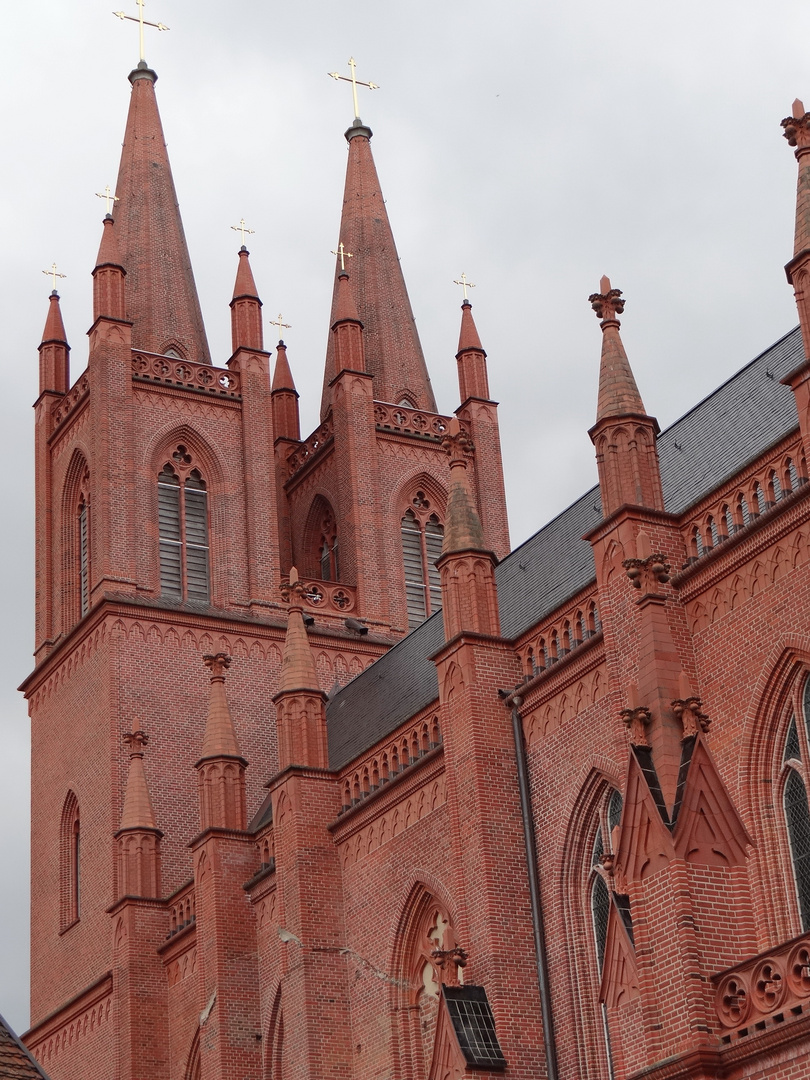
<point>136,739</point>
<point>457,443</point>
<point>54,274</point>
<point>343,255</point>
<point>243,229</point>
<point>218,664</point>
<point>293,592</point>
<point>281,325</point>
<point>465,284</point>
<point>352,78</point>
<point>141,24</point>
<point>608,303</point>
<point>797,126</point>
<point>109,199</point>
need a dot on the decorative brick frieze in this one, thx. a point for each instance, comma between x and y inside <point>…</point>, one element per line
<point>68,407</point>
<point>327,596</point>
<point>308,449</point>
<point>773,982</point>
<point>151,367</point>
<point>78,1020</point>
<point>404,421</point>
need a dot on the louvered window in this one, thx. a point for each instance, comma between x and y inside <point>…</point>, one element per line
<point>183,532</point>
<point>84,559</point>
<point>421,548</point>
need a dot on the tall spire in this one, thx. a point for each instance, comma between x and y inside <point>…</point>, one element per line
<point>246,307</point>
<point>162,298</point>
<point>54,351</point>
<point>624,435</point>
<point>393,350</point>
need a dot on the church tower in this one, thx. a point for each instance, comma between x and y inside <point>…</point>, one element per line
<point>174,494</point>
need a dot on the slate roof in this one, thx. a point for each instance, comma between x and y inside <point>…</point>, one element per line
<point>713,441</point>
<point>15,1061</point>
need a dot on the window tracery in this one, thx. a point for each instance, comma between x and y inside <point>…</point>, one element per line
<point>183,529</point>
<point>422,538</point>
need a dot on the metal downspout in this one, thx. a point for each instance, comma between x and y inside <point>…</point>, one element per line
<point>534,891</point>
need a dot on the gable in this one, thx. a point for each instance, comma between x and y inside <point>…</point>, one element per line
<point>708,830</point>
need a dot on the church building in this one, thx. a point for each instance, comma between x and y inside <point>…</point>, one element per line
<point>327,783</point>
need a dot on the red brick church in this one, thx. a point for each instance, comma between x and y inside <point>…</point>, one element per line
<point>327,783</point>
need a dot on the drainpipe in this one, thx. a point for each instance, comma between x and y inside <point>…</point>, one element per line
<point>534,887</point>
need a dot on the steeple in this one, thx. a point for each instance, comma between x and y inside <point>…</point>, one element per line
<point>246,307</point>
<point>138,836</point>
<point>393,350</point>
<point>469,596</point>
<point>54,351</point>
<point>108,276</point>
<point>624,435</point>
<point>221,767</point>
<point>472,366</point>
<point>300,703</point>
<point>162,298</point>
<point>286,423</point>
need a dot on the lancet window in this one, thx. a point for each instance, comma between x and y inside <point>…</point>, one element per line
<point>70,862</point>
<point>795,756</point>
<point>608,817</point>
<point>183,529</point>
<point>84,556</point>
<point>422,537</point>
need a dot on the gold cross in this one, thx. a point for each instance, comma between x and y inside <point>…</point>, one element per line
<point>242,228</point>
<point>342,254</point>
<point>355,83</point>
<point>465,284</point>
<point>105,194</point>
<point>54,273</point>
<point>281,325</point>
<point>141,22</point>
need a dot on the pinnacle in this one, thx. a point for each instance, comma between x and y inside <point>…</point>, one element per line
<point>138,812</point>
<point>462,529</point>
<point>298,671</point>
<point>220,736</point>
<point>54,326</point>
<point>618,392</point>
<point>468,338</point>
<point>109,253</point>
<point>345,308</point>
<point>244,284</point>
<point>282,376</point>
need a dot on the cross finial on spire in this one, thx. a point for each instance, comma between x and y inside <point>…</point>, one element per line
<point>465,284</point>
<point>343,255</point>
<point>608,303</point>
<point>108,197</point>
<point>54,274</point>
<point>141,23</point>
<point>355,83</point>
<point>243,229</point>
<point>280,324</point>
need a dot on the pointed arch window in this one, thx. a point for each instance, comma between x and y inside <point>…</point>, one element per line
<point>84,556</point>
<point>183,530</point>
<point>69,862</point>
<point>609,815</point>
<point>328,553</point>
<point>796,808</point>
<point>422,538</point>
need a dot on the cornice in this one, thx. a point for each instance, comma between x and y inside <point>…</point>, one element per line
<point>79,1003</point>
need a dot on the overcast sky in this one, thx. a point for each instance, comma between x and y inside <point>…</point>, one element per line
<point>534,146</point>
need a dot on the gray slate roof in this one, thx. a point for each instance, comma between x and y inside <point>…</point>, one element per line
<point>712,442</point>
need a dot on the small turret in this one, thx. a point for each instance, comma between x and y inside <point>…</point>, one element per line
<point>138,836</point>
<point>624,435</point>
<point>472,360</point>
<point>286,423</point>
<point>54,352</point>
<point>246,307</point>
<point>108,276</point>
<point>221,767</point>
<point>347,330</point>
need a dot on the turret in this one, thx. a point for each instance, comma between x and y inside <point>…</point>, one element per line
<point>469,596</point>
<point>347,330</point>
<point>471,358</point>
<point>221,767</point>
<point>246,307</point>
<point>138,837</point>
<point>300,703</point>
<point>54,352</point>
<point>286,424</point>
<point>108,276</point>
<point>624,435</point>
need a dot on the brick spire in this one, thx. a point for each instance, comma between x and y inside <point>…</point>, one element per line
<point>54,351</point>
<point>108,276</point>
<point>300,703</point>
<point>471,358</point>
<point>469,595</point>
<point>395,358</point>
<point>138,836</point>
<point>246,307</point>
<point>221,767</point>
<point>286,424</point>
<point>161,295</point>
<point>624,435</point>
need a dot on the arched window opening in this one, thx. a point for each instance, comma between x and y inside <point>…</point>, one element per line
<point>84,557</point>
<point>697,543</point>
<point>328,548</point>
<point>759,499</point>
<point>70,863</point>
<point>797,816</point>
<point>791,476</point>
<point>728,522</point>
<point>183,530</point>
<point>608,817</point>
<point>600,912</point>
<point>743,513</point>
<point>422,538</point>
<point>711,533</point>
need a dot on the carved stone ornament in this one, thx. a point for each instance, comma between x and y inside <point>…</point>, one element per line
<point>218,664</point>
<point>295,592</point>
<point>797,126</point>
<point>608,303</point>
<point>689,713</point>
<point>136,740</point>
<point>450,961</point>
<point>646,572</point>
<point>637,720</point>
<point>608,861</point>
<point>457,443</point>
